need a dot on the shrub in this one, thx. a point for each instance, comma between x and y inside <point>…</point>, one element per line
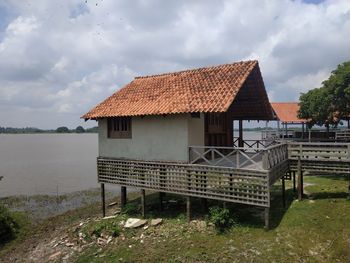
<point>131,209</point>
<point>8,225</point>
<point>221,218</point>
<point>106,227</point>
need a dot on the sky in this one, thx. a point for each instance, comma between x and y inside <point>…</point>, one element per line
<point>58,59</point>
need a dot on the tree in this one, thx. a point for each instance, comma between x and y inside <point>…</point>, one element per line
<point>79,129</point>
<point>330,103</point>
<point>62,129</point>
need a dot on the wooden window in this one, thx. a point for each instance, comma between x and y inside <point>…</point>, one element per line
<point>119,128</point>
<point>216,122</point>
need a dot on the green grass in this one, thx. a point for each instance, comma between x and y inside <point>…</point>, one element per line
<point>14,225</point>
<point>316,229</point>
<point>313,230</point>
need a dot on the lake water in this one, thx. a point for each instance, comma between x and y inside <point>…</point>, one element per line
<point>47,163</point>
<point>51,163</point>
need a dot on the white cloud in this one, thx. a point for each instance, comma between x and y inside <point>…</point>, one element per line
<point>60,58</point>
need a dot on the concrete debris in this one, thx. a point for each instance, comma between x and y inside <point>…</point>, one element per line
<point>156,222</point>
<point>101,241</point>
<point>69,244</point>
<point>109,217</point>
<point>112,204</point>
<point>109,240</point>
<point>55,255</point>
<point>135,222</point>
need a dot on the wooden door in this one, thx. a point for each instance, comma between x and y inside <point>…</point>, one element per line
<point>218,129</point>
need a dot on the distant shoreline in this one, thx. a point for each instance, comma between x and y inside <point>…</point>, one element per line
<point>59,130</point>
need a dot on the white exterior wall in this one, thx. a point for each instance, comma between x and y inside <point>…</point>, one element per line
<point>154,138</point>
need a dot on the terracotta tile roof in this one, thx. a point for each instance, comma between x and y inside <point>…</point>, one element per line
<point>210,89</point>
<point>287,111</point>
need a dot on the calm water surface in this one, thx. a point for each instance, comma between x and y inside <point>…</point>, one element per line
<point>51,163</point>
<point>44,163</point>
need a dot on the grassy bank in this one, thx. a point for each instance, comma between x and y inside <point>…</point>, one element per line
<point>39,207</point>
<point>314,230</point>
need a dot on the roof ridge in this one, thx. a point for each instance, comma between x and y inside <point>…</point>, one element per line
<point>194,70</point>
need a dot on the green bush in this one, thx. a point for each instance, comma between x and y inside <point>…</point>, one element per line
<point>221,218</point>
<point>131,209</point>
<point>106,227</point>
<point>8,225</point>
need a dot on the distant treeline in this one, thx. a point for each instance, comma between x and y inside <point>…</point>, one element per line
<point>61,129</point>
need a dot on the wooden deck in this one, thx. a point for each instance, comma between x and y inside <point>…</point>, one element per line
<point>320,157</point>
<point>232,174</point>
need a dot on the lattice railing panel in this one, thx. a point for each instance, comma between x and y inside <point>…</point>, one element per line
<point>220,183</point>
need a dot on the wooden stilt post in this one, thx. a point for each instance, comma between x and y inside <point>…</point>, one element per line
<point>302,183</point>
<point>240,128</point>
<point>143,202</point>
<point>224,205</point>
<point>303,130</point>
<point>300,191</point>
<point>161,195</point>
<point>267,218</point>
<point>309,135</point>
<point>188,208</point>
<point>283,192</point>
<point>294,186</point>
<point>122,196</point>
<point>103,200</point>
<point>204,203</point>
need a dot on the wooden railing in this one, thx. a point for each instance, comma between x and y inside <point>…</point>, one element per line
<point>320,157</point>
<point>325,152</point>
<point>277,134</point>
<point>248,158</point>
<point>253,143</point>
<point>275,155</point>
<point>213,182</point>
<point>239,157</point>
<point>342,135</point>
